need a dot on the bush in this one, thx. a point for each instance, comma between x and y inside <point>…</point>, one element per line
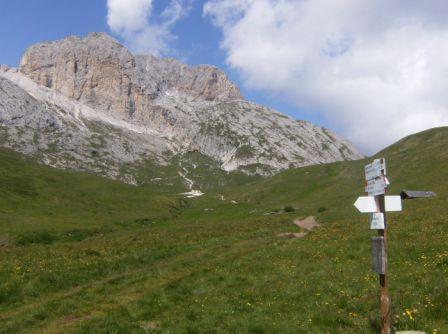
<point>289,208</point>
<point>321,209</point>
<point>39,237</point>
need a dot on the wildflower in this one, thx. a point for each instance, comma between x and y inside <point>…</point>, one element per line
<point>409,314</point>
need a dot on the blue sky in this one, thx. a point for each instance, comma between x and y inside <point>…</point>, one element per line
<point>25,22</point>
<point>372,71</point>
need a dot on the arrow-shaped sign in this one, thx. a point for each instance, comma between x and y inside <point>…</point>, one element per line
<point>368,204</point>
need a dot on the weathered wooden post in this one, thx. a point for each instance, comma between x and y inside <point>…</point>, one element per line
<point>384,277</point>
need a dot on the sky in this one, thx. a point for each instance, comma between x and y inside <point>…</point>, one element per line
<point>371,70</point>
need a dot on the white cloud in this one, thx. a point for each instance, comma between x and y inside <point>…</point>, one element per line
<point>374,70</point>
<point>141,29</point>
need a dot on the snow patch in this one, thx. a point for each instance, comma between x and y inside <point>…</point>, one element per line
<point>189,182</point>
<point>193,193</point>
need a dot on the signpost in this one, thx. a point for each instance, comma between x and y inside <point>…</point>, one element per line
<point>377,204</point>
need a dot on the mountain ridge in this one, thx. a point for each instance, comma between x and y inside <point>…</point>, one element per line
<point>159,108</point>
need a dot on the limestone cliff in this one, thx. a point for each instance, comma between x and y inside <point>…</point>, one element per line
<point>128,108</point>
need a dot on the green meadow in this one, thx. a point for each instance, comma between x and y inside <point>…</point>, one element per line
<point>83,254</point>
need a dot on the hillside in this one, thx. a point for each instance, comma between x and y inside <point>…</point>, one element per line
<point>415,162</point>
<point>39,200</point>
<point>216,263</point>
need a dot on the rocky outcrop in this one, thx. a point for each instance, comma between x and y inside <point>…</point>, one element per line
<point>99,71</point>
<point>62,133</point>
<point>145,107</point>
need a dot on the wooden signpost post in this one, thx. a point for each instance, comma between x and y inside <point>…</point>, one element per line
<point>377,204</point>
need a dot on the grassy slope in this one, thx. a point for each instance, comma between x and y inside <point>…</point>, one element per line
<point>203,171</point>
<point>219,267</point>
<point>38,198</point>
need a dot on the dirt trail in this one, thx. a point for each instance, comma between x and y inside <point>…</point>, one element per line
<point>289,235</point>
<point>309,224</point>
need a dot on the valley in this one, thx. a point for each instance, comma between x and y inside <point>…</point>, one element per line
<point>82,253</point>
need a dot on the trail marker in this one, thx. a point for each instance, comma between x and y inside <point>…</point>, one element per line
<point>378,204</point>
<point>375,169</point>
<point>376,186</point>
<point>377,221</point>
<point>392,203</point>
<point>368,204</point>
<point>411,194</point>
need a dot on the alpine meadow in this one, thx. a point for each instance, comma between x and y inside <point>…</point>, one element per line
<point>143,190</point>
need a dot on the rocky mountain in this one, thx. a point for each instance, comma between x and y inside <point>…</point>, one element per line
<point>89,104</point>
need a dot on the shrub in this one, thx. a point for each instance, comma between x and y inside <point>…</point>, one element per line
<point>39,237</point>
<point>289,208</point>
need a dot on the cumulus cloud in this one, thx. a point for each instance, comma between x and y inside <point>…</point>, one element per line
<point>375,71</point>
<point>141,29</point>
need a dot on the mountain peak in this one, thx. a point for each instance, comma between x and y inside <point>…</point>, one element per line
<point>99,35</point>
<point>140,107</point>
<point>80,67</point>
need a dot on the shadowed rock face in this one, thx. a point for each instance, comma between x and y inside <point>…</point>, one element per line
<point>94,87</point>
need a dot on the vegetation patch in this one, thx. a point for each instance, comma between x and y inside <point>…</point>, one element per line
<point>244,152</point>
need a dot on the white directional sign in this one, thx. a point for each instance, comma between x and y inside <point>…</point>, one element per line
<point>367,204</point>
<point>375,169</point>
<point>377,222</point>
<point>376,186</point>
<point>392,203</point>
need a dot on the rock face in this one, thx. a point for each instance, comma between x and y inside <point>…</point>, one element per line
<point>75,92</point>
<point>65,134</point>
<point>101,72</point>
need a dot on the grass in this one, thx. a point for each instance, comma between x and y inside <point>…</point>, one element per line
<point>202,170</point>
<point>89,255</point>
<point>37,201</point>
